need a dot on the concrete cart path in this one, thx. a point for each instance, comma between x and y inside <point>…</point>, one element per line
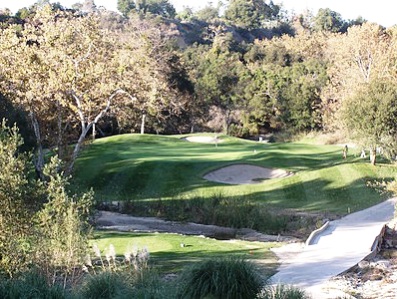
<point>343,244</point>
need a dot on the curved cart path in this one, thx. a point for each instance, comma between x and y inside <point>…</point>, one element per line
<point>343,244</point>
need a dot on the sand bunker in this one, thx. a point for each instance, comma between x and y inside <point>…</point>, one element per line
<point>203,139</point>
<point>245,174</point>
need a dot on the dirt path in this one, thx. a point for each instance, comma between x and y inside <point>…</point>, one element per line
<point>343,244</point>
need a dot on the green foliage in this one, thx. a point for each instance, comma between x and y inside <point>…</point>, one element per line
<point>250,14</point>
<point>30,285</point>
<point>301,104</point>
<point>371,114</point>
<point>55,242</point>
<point>282,292</point>
<point>15,198</point>
<point>207,14</point>
<point>156,7</point>
<point>106,285</point>
<point>217,210</point>
<point>62,227</point>
<point>328,20</point>
<point>218,82</point>
<point>225,278</point>
<point>14,114</point>
<point>125,6</point>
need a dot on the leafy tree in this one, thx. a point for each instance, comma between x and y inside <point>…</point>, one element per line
<point>250,14</point>
<point>260,112</point>
<point>370,117</point>
<point>329,20</point>
<point>89,6</point>
<point>15,115</point>
<point>207,14</point>
<point>358,57</point>
<point>185,14</point>
<point>15,199</point>
<point>217,83</point>
<point>300,102</point>
<point>125,6</point>
<point>53,77</point>
<point>55,242</point>
<point>62,228</point>
<point>156,7</point>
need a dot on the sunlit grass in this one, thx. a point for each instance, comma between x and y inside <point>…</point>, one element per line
<point>172,252</point>
<point>150,167</point>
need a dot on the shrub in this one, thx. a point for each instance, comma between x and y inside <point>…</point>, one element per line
<point>220,278</point>
<point>282,292</point>
<point>15,197</point>
<point>219,210</point>
<point>149,286</point>
<point>105,285</point>
<point>30,285</point>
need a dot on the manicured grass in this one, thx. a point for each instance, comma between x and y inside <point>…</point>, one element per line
<point>150,167</point>
<point>167,254</point>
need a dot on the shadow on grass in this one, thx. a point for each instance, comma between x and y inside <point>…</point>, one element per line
<point>146,166</point>
<point>177,261</point>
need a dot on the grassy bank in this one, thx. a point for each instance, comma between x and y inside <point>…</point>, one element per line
<point>172,252</point>
<point>146,168</point>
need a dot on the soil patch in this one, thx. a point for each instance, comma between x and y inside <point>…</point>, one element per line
<point>240,174</point>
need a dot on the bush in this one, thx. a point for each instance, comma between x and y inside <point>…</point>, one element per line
<point>125,284</point>
<point>220,278</point>
<point>219,210</point>
<point>149,286</point>
<point>282,292</point>
<point>30,285</point>
<point>105,285</point>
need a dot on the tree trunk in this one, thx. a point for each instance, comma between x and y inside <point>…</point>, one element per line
<point>39,156</point>
<point>372,156</point>
<point>143,124</point>
<point>77,148</point>
<point>86,126</point>
<point>227,122</point>
<point>93,131</point>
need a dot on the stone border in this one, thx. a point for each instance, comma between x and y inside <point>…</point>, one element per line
<point>316,232</point>
<point>375,248</point>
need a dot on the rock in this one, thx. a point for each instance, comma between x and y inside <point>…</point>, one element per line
<point>363,264</point>
<point>383,264</point>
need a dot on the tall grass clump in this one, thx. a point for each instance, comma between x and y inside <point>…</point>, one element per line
<point>282,292</point>
<point>221,210</point>
<point>105,285</point>
<point>117,277</point>
<point>220,278</point>
<point>30,285</point>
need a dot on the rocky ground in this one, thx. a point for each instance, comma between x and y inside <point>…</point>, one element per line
<point>374,278</point>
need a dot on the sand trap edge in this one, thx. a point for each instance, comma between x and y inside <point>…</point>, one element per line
<point>243,174</point>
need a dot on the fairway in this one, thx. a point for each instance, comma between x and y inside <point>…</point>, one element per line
<point>151,168</point>
<point>168,255</point>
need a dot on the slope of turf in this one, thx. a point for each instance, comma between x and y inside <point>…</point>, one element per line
<point>149,167</point>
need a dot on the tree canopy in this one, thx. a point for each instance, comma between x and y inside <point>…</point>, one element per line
<point>252,70</point>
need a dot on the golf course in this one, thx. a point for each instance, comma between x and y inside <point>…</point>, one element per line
<point>163,176</point>
<point>151,168</point>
